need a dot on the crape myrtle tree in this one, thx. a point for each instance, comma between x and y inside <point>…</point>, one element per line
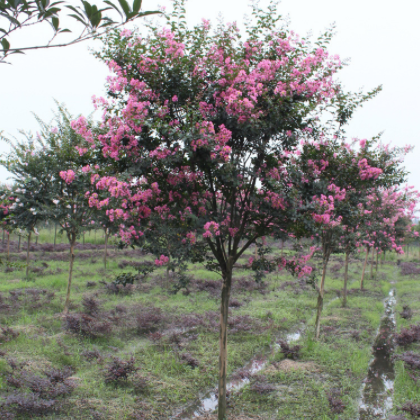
<point>201,123</point>
<point>389,213</point>
<point>51,165</point>
<point>92,21</point>
<point>26,194</point>
<point>336,180</point>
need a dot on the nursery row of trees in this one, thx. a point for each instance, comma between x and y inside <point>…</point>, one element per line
<point>210,144</point>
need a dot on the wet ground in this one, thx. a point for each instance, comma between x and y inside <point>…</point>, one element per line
<point>377,392</point>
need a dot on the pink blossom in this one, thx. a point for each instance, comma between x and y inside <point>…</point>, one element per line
<point>67,176</point>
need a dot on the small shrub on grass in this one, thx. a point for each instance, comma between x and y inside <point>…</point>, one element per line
<point>334,399</point>
<point>189,360</point>
<point>140,384</point>
<point>261,386</point>
<point>290,352</point>
<point>124,279</point>
<point>149,319</point>
<point>30,404</point>
<point>355,334</point>
<point>156,337</point>
<point>90,305</point>
<point>90,355</point>
<point>412,360</point>
<point>119,289</point>
<point>241,374</point>
<point>406,313</point>
<point>408,335</point>
<point>234,303</point>
<point>33,394</point>
<point>119,370</point>
<point>409,268</point>
<point>7,334</point>
<point>412,409</point>
<point>87,326</point>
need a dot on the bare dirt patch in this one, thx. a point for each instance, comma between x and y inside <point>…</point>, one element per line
<point>288,365</point>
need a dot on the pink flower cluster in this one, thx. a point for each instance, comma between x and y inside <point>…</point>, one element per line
<point>67,176</point>
<point>162,260</point>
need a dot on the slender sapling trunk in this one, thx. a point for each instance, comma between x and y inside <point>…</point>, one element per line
<point>364,269</point>
<point>224,308</point>
<point>27,255</point>
<point>320,302</point>
<point>372,262</point>
<point>55,235</point>
<point>8,246</point>
<point>106,248</point>
<point>377,261</point>
<point>72,240</point>
<point>346,276</point>
<point>19,243</point>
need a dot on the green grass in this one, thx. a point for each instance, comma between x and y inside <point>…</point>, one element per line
<point>338,360</point>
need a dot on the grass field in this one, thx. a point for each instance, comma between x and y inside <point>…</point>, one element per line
<point>166,344</point>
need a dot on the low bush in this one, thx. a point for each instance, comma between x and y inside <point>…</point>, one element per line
<point>119,370</point>
<point>290,352</point>
<point>408,335</point>
<point>334,400</point>
<point>86,325</point>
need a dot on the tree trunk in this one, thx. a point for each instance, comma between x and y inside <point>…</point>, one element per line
<point>364,269</point>
<point>19,242</point>
<point>282,248</point>
<point>377,262</point>
<point>8,246</point>
<point>224,308</point>
<point>27,256</point>
<point>346,276</point>
<point>320,302</point>
<point>3,238</point>
<point>372,262</point>
<point>106,247</point>
<point>36,240</point>
<point>55,235</point>
<point>72,240</point>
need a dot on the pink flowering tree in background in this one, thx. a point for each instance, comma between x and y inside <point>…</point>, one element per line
<point>199,128</point>
<point>388,224</point>
<point>336,179</point>
<point>50,166</point>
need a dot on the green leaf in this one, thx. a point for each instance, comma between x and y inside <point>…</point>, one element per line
<point>88,8</point>
<point>113,6</point>
<point>78,18</point>
<point>6,45</point>
<point>124,5</point>
<point>96,17</point>
<point>75,10</point>
<point>55,22</point>
<point>137,6</point>
<point>11,18</point>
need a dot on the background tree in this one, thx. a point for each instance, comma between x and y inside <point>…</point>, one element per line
<point>17,15</point>
<point>53,163</point>
<point>336,181</point>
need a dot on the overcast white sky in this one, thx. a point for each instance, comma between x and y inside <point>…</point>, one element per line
<point>381,37</point>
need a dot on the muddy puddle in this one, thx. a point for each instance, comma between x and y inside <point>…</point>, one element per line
<point>377,392</point>
<point>208,402</point>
